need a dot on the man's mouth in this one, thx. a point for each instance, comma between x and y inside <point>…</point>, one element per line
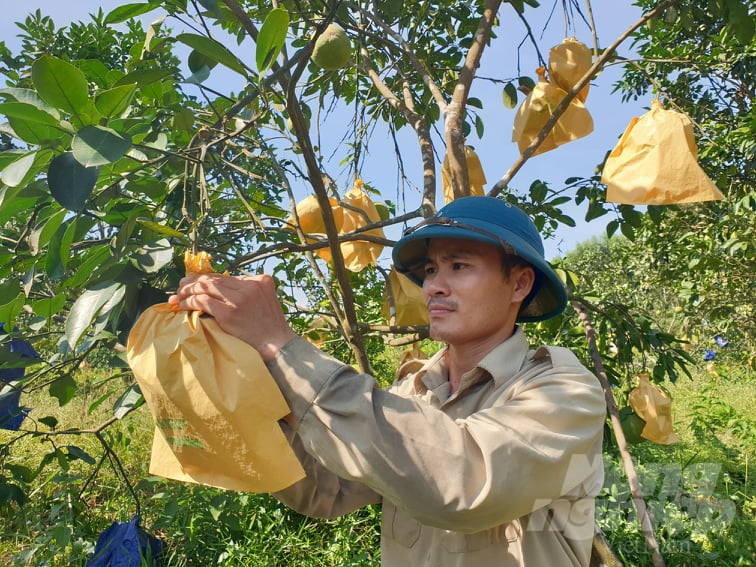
<point>439,308</point>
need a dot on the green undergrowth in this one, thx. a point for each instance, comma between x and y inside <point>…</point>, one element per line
<point>700,491</point>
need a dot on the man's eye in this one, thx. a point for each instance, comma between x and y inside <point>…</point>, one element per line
<point>430,270</point>
<point>458,265</point>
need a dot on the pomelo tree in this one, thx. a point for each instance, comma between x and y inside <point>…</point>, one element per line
<point>125,145</point>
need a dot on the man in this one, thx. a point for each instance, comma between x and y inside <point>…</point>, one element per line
<point>490,455</point>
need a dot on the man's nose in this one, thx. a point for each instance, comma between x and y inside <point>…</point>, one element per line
<point>435,284</point>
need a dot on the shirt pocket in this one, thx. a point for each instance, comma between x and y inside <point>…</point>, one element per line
<point>399,527</point>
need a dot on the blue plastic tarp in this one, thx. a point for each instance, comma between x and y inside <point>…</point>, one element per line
<point>11,413</point>
<point>126,544</point>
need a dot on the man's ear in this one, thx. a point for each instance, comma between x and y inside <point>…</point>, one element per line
<point>524,279</point>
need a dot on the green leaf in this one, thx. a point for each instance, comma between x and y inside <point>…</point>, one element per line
<point>71,183</point>
<point>64,389</point>
<point>143,77</point>
<point>517,5</point>
<point>526,82</point>
<point>49,420</point>
<point>115,101</point>
<point>53,263</point>
<point>740,22</point>
<point>214,50</point>
<point>28,112</point>
<point>154,256</point>
<point>271,38</point>
<point>63,86</point>
<point>81,454</point>
<point>98,145</point>
<point>12,493</point>
<point>9,290</point>
<point>128,11</point>
<point>14,174</point>
<point>42,233</point>
<point>20,472</point>
<point>479,127</point>
<point>85,309</point>
<point>509,95</point>
<point>212,7</point>
<point>130,400</point>
<point>49,306</point>
<point>94,259</point>
<point>198,61</point>
<point>29,96</point>
<point>161,228</point>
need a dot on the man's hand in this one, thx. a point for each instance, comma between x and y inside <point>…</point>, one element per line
<point>246,307</point>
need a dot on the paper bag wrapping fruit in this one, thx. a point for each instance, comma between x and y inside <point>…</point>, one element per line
<point>536,110</point>
<point>409,301</point>
<point>216,406</point>
<point>655,408</point>
<point>475,175</point>
<point>656,162</point>
<point>355,212</point>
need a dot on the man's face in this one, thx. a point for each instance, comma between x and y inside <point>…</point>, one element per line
<point>470,301</point>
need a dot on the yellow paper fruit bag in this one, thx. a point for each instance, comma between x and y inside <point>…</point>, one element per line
<point>311,221</point>
<point>655,408</point>
<point>409,301</point>
<point>568,62</point>
<point>537,108</point>
<point>359,211</point>
<point>216,406</point>
<point>475,175</point>
<point>656,162</point>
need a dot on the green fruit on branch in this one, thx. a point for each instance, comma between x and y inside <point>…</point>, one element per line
<point>632,425</point>
<point>332,49</point>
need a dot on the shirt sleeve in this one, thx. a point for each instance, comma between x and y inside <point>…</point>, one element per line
<point>468,474</point>
<point>322,494</point>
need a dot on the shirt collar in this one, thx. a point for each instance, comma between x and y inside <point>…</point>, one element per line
<point>502,364</point>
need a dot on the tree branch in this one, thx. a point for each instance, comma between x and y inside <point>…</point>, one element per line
<point>455,140</point>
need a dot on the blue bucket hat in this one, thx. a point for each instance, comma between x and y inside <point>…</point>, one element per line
<point>491,220</point>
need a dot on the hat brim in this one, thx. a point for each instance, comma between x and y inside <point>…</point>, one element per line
<point>549,297</point>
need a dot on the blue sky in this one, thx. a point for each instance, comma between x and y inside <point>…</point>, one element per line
<point>496,150</point>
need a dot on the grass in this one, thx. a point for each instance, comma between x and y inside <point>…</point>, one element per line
<point>78,493</point>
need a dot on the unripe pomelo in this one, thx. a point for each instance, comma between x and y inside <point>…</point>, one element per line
<point>632,425</point>
<point>332,49</point>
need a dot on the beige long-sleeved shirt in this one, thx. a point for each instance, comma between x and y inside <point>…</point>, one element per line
<point>501,473</point>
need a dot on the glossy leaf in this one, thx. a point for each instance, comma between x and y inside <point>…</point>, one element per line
<point>29,96</point>
<point>154,256</point>
<point>85,309</point>
<point>79,453</point>
<point>71,183</point>
<point>13,174</point>
<point>49,306</point>
<point>99,145</point>
<point>128,11</point>
<point>37,134</point>
<point>214,50</point>
<point>42,233</point>
<point>143,77</point>
<point>29,113</point>
<point>63,86</point>
<point>115,101</point>
<point>509,95</point>
<point>271,38</point>
<point>130,400</point>
<point>64,389</point>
